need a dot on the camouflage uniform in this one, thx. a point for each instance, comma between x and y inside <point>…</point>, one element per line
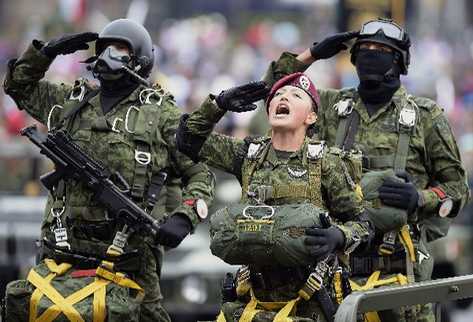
<point>136,123</point>
<point>432,158</point>
<point>277,171</point>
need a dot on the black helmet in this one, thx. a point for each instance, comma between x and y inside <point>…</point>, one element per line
<point>387,32</point>
<point>135,36</point>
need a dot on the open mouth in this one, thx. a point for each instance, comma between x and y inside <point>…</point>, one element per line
<point>282,109</point>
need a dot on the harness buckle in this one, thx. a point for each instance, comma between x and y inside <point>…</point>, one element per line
<point>344,108</point>
<point>253,150</point>
<point>79,96</point>
<point>407,117</point>
<point>315,151</point>
<point>142,157</point>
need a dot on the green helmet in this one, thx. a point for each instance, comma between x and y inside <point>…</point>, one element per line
<point>387,32</point>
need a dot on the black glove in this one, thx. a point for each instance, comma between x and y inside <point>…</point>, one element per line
<point>323,241</point>
<point>402,195</point>
<point>241,98</point>
<point>174,230</point>
<point>68,44</point>
<point>332,45</point>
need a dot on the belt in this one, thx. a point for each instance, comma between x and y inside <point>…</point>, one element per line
<point>393,264</point>
<point>129,262</point>
<point>270,278</point>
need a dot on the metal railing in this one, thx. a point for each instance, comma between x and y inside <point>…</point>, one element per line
<point>447,289</point>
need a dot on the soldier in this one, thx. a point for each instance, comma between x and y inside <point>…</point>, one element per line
<point>395,130</point>
<point>128,126</point>
<point>289,167</point>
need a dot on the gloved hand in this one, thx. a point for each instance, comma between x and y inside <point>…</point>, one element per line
<point>323,241</point>
<point>402,195</point>
<point>332,45</point>
<point>240,98</point>
<point>174,230</point>
<point>68,44</point>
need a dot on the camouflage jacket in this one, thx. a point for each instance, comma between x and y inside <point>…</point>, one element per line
<point>147,118</point>
<point>336,172</point>
<point>433,156</point>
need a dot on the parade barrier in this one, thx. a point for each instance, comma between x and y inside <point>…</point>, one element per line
<point>447,289</point>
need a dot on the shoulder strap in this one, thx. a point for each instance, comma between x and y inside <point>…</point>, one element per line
<point>349,120</point>
<point>407,121</point>
<point>256,154</point>
<point>315,151</point>
<point>72,113</point>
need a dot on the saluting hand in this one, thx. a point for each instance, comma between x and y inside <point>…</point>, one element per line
<point>68,44</point>
<point>241,98</point>
<point>332,45</point>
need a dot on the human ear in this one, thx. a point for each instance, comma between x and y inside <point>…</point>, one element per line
<point>311,118</point>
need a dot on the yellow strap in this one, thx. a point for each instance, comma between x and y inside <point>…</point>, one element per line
<point>53,311</point>
<point>55,268</point>
<point>117,278</point>
<point>337,285</point>
<point>99,304</point>
<point>44,286</point>
<point>374,281</point>
<point>250,310</point>
<point>283,314</point>
<point>406,240</point>
<point>372,317</point>
<point>220,318</point>
<point>36,297</point>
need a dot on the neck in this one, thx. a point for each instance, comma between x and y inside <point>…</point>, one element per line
<point>287,140</point>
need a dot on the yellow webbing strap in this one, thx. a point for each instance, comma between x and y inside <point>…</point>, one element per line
<point>221,317</point>
<point>55,268</point>
<point>372,317</point>
<point>373,282</point>
<point>98,285</point>
<point>118,278</point>
<point>337,285</point>
<point>44,287</point>
<point>406,240</point>
<point>250,311</point>
<point>36,297</point>
<point>99,304</point>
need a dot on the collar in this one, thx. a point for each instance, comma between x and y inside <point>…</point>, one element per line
<point>398,100</point>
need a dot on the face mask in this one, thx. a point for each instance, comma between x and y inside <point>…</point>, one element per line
<point>110,63</point>
<point>379,76</point>
<point>372,65</point>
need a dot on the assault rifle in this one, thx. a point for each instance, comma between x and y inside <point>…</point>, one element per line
<point>73,163</point>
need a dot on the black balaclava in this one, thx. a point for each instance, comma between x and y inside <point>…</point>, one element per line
<point>379,77</point>
<point>114,91</point>
<point>115,83</point>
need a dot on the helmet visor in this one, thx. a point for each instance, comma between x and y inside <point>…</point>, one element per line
<point>390,29</point>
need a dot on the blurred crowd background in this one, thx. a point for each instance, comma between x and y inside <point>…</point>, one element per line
<point>204,46</point>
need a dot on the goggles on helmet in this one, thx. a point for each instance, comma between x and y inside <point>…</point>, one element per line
<point>389,29</point>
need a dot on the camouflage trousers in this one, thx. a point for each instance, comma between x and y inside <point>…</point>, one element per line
<point>422,313</point>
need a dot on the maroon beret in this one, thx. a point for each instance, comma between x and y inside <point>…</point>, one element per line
<point>298,80</point>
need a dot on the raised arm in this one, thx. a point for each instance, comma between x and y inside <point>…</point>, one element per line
<point>23,80</point>
<point>195,137</point>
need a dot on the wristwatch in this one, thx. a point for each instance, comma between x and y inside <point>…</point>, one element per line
<point>199,206</point>
<point>446,203</point>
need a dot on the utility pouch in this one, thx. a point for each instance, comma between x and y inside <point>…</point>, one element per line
<point>55,292</point>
